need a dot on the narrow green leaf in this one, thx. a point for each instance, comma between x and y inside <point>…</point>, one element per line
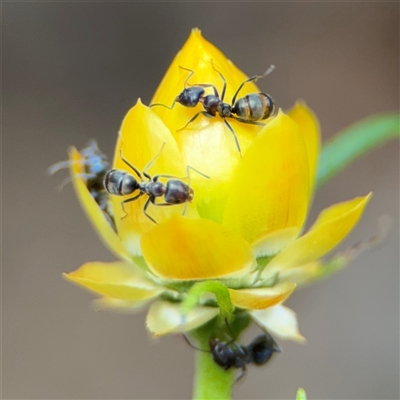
<point>301,394</point>
<point>355,141</point>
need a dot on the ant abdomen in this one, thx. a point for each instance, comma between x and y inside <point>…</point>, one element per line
<point>120,183</point>
<point>262,349</point>
<point>254,107</point>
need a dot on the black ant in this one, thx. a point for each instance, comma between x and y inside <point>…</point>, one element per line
<point>249,109</point>
<point>233,355</point>
<point>121,183</point>
<point>95,165</point>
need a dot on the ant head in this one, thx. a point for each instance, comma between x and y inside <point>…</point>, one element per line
<point>190,97</point>
<point>221,353</point>
<point>178,192</point>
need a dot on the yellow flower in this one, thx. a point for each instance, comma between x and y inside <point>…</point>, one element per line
<point>244,224</point>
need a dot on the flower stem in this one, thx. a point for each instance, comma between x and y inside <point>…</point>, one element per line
<point>211,380</point>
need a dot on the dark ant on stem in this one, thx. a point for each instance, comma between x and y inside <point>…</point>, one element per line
<point>121,183</point>
<point>249,109</point>
<point>234,355</point>
<point>95,166</point>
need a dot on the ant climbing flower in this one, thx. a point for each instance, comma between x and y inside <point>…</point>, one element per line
<point>244,227</point>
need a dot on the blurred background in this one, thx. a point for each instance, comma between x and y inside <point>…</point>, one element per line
<point>70,73</point>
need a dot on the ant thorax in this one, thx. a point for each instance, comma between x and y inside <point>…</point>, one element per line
<point>153,189</point>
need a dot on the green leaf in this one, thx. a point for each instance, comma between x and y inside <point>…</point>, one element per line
<point>355,141</point>
<point>301,394</point>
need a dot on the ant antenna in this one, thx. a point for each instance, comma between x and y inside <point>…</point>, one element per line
<point>152,161</point>
<point>188,168</point>
<point>184,85</point>
<point>192,345</point>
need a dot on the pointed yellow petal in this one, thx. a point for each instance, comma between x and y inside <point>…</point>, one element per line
<point>331,227</point>
<point>280,321</point>
<point>310,130</point>
<point>187,249</point>
<point>92,209</point>
<point>165,317</point>
<point>260,298</point>
<point>119,280</point>
<point>118,305</point>
<point>142,136</point>
<point>206,144</point>
<point>198,55</point>
<point>270,190</point>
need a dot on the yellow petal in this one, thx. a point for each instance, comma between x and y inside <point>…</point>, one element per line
<point>165,317</point>
<point>206,144</point>
<point>280,321</point>
<point>270,190</point>
<point>303,274</point>
<point>260,298</point>
<point>331,227</point>
<point>118,305</point>
<point>187,249</point>
<point>197,54</point>
<point>92,209</point>
<point>118,280</point>
<point>142,136</point>
<point>310,130</point>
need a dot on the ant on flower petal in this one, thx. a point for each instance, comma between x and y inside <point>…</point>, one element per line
<point>249,109</point>
<point>121,183</point>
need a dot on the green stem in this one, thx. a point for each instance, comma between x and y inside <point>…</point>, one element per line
<point>354,142</point>
<point>211,380</point>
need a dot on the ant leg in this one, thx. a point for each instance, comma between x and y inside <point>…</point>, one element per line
<point>223,80</point>
<point>234,136</point>
<point>249,122</point>
<point>153,201</point>
<point>243,373</point>
<point>163,105</point>
<point>254,78</point>
<point>206,85</point>
<point>151,162</point>
<point>129,164</point>
<point>58,166</point>
<point>208,115</point>
<point>150,199</point>
<point>155,177</point>
<point>128,201</point>
<point>195,170</point>
<point>84,176</point>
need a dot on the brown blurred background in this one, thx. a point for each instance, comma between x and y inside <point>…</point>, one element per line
<point>70,72</point>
